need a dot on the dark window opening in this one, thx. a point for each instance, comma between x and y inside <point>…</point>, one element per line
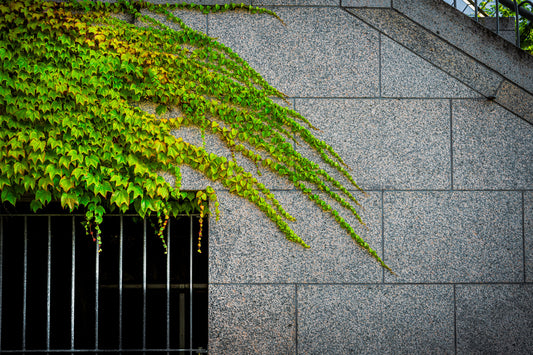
<point>58,293</point>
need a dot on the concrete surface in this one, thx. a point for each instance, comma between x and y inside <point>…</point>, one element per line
<point>441,137</point>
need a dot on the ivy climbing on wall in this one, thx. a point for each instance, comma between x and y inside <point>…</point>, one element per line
<point>72,78</point>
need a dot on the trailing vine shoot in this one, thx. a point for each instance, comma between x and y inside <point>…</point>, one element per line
<point>72,77</point>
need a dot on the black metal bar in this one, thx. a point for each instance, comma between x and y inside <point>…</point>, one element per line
<point>25,291</point>
<point>82,215</point>
<point>73,288</point>
<point>477,9</point>
<point>497,17</point>
<point>517,23</point>
<point>521,9</point>
<point>51,351</point>
<point>49,283</point>
<point>120,281</point>
<point>168,285</point>
<point>181,309</point>
<point>144,284</point>
<point>190,282</point>
<point>160,286</point>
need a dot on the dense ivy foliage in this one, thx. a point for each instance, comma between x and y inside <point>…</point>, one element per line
<point>71,80</point>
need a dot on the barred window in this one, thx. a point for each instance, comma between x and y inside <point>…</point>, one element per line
<point>58,293</point>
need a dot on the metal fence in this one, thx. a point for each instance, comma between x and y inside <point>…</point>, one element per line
<point>491,10</point>
<point>58,293</point>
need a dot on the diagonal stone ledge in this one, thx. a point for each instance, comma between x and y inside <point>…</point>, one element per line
<point>472,38</point>
<point>432,48</point>
<point>516,100</point>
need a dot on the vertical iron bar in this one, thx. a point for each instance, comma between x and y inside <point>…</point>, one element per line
<point>497,16</point>
<point>49,283</point>
<point>96,294</point>
<point>73,287</point>
<point>120,281</point>
<point>1,272</point>
<point>25,292</point>
<point>476,11</point>
<point>190,283</point>
<point>144,284</point>
<point>168,285</point>
<point>517,23</point>
<point>181,310</point>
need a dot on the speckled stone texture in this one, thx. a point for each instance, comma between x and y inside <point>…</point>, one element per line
<point>252,319</point>
<point>432,48</point>
<point>246,247</point>
<point>375,319</point>
<point>366,3</point>
<point>321,51</point>
<point>528,234</point>
<point>469,236</point>
<point>449,178</point>
<point>494,319</point>
<point>389,144</point>
<point>404,74</point>
<point>199,2</point>
<point>506,25</point>
<point>516,99</point>
<point>492,148</point>
<point>472,38</point>
<point>297,2</point>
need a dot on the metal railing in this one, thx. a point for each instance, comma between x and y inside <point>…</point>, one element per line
<point>473,8</point>
<point>58,293</point>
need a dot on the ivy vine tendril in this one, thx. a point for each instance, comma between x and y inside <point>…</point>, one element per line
<point>72,79</point>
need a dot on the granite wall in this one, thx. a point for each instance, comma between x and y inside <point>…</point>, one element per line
<point>441,141</point>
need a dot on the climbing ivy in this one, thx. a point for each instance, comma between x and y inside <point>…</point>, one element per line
<point>72,80</point>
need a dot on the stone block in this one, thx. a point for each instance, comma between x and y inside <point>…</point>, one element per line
<point>516,100</point>
<point>468,236</point>
<point>495,319</point>
<point>404,74</point>
<point>296,2</point>
<point>389,144</point>
<point>246,247</point>
<point>320,51</point>
<point>366,3</point>
<point>492,148</point>
<point>528,234</point>
<point>252,319</point>
<point>432,48</point>
<point>375,319</point>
